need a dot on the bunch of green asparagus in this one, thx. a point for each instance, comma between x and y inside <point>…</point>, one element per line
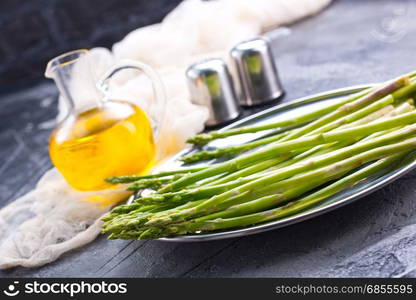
<point>302,162</point>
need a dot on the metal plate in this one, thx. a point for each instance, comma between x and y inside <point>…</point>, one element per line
<point>282,111</point>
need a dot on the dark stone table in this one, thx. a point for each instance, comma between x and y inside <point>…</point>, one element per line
<point>352,42</point>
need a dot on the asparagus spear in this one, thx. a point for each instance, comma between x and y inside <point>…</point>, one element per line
<point>385,112</point>
<point>398,87</point>
<point>278,183</point>
<point>283,161</point>
<point>190,194</point>
<point>151,183</point>
<point>229,151</point>
<point>242,195</point>
<point>263,202</point>
<point>206,155</point>
<point>129,179</point>
<point>211,224</point>
<point>259,204</point>
<point>204,138</point>
<point>159,199</point>
<point>281,173</point>
<point>274,149</point>
<point>350,107</point>
<point>133,220</point>
<point>236,210</point>
<point>367,95</point>
<point>264,186</point>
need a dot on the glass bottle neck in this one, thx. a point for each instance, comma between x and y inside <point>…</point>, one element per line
<point>74,79</point>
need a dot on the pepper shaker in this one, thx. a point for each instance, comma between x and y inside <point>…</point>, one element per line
<point>257,72</point>
<point>210,84</point>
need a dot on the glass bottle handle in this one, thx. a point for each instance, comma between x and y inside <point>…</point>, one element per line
<point>157,108</point>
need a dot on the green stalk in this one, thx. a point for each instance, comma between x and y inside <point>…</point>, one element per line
<point>365,111</point>
<point>133,219</point>
<point>264,188</point>
<point>187,195</point>
<point>152,183</point>
<point>268,184</point>
<point>255,205</point>
<point>204,138</point>
<point>299,155</point>
<point>282,211</point>
<point>275,149</point>
<point>351,107</point>
<point>129,179</point>
<point>124,208</point>
<point>385,112</point>
<point>285,172</point>
<point>230,151</point>
<point>252,169</point>
<point>368,96</point>
<point>233,150</point>
<point>268,201</point>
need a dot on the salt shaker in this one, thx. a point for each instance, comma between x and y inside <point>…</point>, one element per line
<point>257,72</point>
<point>210,84</point>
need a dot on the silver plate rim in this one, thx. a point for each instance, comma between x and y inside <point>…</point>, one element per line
<point>306,214</point>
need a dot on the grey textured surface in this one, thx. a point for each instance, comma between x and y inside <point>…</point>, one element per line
<point>352,42</point>
<point>33,31</point>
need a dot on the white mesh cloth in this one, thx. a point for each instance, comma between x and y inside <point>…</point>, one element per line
<point>54,218</point>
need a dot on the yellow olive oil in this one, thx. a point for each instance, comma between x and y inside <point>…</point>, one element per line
<point>112,140</point>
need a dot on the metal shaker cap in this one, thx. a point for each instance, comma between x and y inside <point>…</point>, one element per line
<point>210,84</point>
<point>257,71</point>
